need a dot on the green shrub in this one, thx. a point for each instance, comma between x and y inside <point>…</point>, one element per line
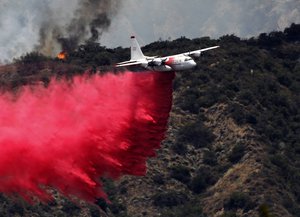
<point>210,158</point>
<point>229,214</point>
<point>196,134</point>
<point>264,211</point>
<point>238,113</point>
<point>102,204</point>
<point>158,179</point>
<point>94,211</point>
<point>204,178</point>
<point>239,200</point>
<point>237,153</point>
<point>169,199</point>
<point>117,208</point>
<point>179,148</point>
<point>70,208</point>
<point>189,99</point>
<point>16,208</point>
<point>180,173</point>
<point>32,57</point>
<point>191,209</point>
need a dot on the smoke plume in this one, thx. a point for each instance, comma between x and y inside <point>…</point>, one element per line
<point>69,135</point>
<point>50,26</point>
<point>91,18</point>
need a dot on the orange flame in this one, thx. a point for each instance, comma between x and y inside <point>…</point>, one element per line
<point>62,55</point>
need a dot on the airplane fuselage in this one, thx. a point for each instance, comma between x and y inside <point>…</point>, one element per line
<point>172,63</point>
<point>178,62</point>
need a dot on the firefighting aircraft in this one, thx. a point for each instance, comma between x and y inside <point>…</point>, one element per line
<point>176,62</point>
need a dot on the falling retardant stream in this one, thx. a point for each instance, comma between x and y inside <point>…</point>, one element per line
<point>70,134</point>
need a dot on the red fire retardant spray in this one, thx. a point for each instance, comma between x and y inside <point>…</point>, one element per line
<point>70,134</point>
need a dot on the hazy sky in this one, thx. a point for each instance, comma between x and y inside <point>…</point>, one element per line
<point>154,19</point>
<point>21,21</point>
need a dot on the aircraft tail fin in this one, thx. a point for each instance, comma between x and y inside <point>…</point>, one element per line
<point>136,52</point>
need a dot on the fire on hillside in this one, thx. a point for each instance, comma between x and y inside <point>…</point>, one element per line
<point>62,55</point>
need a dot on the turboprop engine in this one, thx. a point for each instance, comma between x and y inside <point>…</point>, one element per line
<point>196,54</point>
<point>155,62</point>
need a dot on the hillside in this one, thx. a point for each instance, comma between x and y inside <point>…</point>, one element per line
<point>232,147</point>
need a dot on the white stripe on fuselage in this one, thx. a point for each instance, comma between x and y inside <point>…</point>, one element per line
<point>181,62</point>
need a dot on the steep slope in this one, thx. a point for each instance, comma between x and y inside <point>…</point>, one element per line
<point>233,138</point>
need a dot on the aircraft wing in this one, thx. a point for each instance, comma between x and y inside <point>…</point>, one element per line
<point>198,52</point>
<point>129,63</point>
<point>209,48</point>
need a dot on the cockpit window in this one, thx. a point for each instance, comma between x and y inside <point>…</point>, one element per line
<point>188,58</point>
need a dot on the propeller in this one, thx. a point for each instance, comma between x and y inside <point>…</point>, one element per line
<point>158,62</point>
<point>155,62</point>
<point>163,61</point>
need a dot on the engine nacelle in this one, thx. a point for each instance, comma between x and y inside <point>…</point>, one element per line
<point>196,54</point>
<point>156,62</point>
<point>144,64</point>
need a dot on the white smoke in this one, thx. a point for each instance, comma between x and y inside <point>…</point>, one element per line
<point>21,21</point>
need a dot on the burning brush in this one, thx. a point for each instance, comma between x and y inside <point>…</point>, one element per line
<point>62,55</point>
